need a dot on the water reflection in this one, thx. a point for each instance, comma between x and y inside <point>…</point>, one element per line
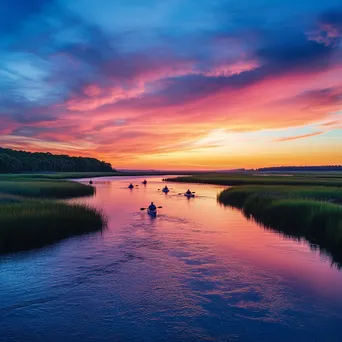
<point>198,271</point>
<point>327,249</point>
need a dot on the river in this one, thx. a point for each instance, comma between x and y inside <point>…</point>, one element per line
<point>197,272</point>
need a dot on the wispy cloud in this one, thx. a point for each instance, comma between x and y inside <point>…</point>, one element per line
<point>298,137</point>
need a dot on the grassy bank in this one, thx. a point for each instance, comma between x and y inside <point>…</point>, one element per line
<point>27,224</point>
<point>45,188</point>
<point>301,212</point>
<point>77,175</point>
<point>30,216</point>
<point>55,175</point>
<point>260,179</point>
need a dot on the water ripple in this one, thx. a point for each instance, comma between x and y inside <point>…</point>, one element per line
<point>198,272</point>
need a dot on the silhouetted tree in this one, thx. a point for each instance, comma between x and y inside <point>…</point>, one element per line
<point>12,161</point>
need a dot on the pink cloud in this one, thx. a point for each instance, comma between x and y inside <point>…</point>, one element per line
<point>97,97</point>
<point>332,124</point>
<point>327,35</point>
<point>147,76</point>
<point>92,90</point>
<point>298,137</point>
<point>153,126</point>
<point>155,122</point>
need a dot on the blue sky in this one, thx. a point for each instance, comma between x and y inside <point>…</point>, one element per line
<point>121,80</point>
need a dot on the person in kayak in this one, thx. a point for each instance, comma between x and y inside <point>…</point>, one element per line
<point>131,186</point>
<point>152,207</point>
<point>166,188</point>
<point>188,192</point>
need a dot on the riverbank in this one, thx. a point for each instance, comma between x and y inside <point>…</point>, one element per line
<point>302,206</point>
<point>312,213</point>
<point>27,224</point>
<point>45,188</point>
<point>32,216</point>
<point>262,179</point>
<point>77,175</point>
<point>55,175</point>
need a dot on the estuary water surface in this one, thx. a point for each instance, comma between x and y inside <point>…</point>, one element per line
<point>197,272</point>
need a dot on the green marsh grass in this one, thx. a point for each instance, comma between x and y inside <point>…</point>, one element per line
<point>31,216</point>
<point>259,179</point>
<point>79,175</point>
<point>305,212</point>
<point>318,193</point>
<point>27,224</point>
<point>45,188</point>
<point>55,175</point>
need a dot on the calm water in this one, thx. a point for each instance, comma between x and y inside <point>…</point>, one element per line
<point>197,272</point>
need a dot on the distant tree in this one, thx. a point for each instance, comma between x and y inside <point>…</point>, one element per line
<point>9,163</point>
<point>22,161</point>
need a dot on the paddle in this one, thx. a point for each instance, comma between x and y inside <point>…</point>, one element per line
<point>147,208</point>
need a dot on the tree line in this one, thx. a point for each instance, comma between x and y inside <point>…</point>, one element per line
<point>13,161</point>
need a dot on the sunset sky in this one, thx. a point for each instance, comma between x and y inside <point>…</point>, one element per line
<point>174,84</point>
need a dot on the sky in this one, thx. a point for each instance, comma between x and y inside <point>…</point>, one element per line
<point>174,84</point>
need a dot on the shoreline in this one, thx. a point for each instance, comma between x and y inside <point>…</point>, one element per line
<point>302,208</point>
<point>32,213</point>
<point>80,175</point>
<point>311,218</point>
<point>252,179</point>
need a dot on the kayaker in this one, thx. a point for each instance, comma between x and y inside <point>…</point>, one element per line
<point>166,188</point>
<point>145,181</point>
<point>152,207</point>
<point>188,192</point>
<point>131,186</point>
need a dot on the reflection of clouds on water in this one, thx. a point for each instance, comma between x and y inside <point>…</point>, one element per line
<point>197,272</point>
<point>239,290</point>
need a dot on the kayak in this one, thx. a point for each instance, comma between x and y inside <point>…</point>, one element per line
<point>130,186</point>
<point>152,212</point>
<point>189,195</point>
<point>165,190</point>
<point>144,182</point>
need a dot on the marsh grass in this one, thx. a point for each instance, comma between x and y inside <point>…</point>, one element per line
<point>301,212</point>
<point>78,175</point>
<point>5,199</point>
<point>45,188</point>
<point>54,175</point>
<point>259,179</point>
<point>318,193</point>
<point>31,216</point>
<point>27,224</point>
